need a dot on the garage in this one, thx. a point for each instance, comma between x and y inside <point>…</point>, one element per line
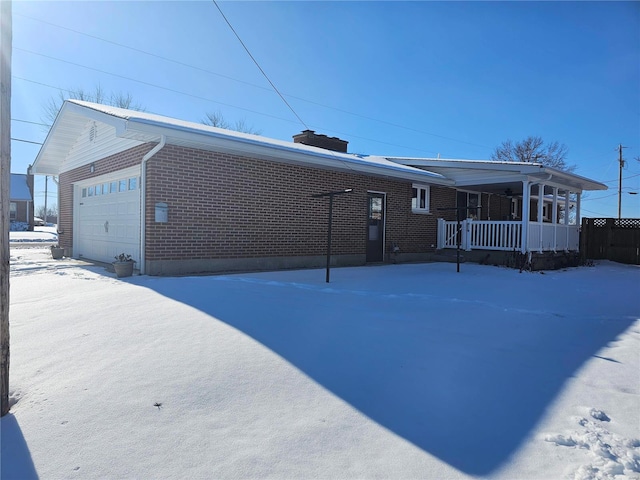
<point>106,218</point>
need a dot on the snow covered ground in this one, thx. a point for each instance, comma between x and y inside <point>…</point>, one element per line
<point>397,371</point>
<point>39,235</point>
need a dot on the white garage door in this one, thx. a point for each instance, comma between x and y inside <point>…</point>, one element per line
<point>107,216</point>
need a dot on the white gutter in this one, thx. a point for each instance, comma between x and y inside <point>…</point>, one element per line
<point>143,200</point>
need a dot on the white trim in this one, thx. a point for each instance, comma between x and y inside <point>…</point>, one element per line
<point>427,201</point>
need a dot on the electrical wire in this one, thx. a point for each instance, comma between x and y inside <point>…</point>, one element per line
<point>177,62</point>
<point>233,106</point>
<point>25,141</point>
<point>33,123</point>
<point>258,65</point>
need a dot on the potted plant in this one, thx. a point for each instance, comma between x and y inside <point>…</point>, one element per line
<point>57,252</point>
<point>123,265</point>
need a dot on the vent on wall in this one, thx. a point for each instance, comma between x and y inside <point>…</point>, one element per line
<point>93,133</point>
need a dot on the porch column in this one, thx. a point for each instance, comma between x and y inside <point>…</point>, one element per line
<point>554,218</point>
<point>526,196</point>
<point>540,210</point>
<point>578,196</point>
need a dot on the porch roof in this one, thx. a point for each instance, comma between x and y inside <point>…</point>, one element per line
<point>143,127</point>
<point>498,177</point>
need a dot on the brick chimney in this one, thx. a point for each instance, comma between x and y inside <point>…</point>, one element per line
<point>309,137</point>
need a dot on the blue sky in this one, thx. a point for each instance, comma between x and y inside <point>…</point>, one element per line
<point>392,78</point>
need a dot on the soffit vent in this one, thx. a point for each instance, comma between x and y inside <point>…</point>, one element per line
<point>93,133</point>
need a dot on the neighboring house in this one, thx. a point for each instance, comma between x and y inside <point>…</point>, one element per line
<point>183,197</point>
<point>21,199</point>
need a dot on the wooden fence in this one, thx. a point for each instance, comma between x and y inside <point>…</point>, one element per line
<point>611,239</point>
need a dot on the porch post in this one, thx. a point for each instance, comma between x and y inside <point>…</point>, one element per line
<point>554,218</point>
<point>441,233</point>
<point>524,241</point>
<point>578,196</point>
<point>540,220</point>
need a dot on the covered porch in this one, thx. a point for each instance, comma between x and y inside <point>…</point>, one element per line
<point>544,218</point>
<point>509,206</point>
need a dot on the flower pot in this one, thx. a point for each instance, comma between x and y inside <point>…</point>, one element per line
<point>57,253</point>
<point>123,269</point>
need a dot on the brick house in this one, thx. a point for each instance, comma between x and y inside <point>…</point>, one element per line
<point>182,197</point>
<point>21,199</point>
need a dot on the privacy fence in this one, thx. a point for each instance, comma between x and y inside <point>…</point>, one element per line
<point>611,239</point>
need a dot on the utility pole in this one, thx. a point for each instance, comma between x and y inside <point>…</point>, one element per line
<point>620,147</point>
<point>5,179</point>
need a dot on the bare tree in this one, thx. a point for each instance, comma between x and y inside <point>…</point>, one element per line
<point>534,150</point>
<point>51,212</point>
<point>97,95</point>
<point>216,119</point>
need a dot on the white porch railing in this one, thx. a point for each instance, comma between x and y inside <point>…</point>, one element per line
<point>490,235</point>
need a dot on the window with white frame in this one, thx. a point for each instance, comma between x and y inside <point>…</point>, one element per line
<point>420,198</point>
<point>13,211</point>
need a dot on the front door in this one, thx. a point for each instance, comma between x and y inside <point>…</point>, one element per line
<point>375,227</point>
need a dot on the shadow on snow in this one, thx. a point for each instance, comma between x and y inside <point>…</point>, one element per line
<point>465,381</point>
<point>15,458</point>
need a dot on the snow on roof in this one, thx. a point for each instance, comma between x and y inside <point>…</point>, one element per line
<point>451,168</point>
<point>367,164</point>
<point>19,189</point>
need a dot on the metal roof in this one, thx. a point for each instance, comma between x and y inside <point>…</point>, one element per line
<point>147,127</point>
<point>499,176</point>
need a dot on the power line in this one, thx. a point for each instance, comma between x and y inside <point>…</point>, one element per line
<point>177,62</point>
<point>616,180</point>
<point>25,141</point>
<point>233,106</point>
<point>258,65</point>
<point>149,84</point>
<point>33,123</point>
<point>606,196</point>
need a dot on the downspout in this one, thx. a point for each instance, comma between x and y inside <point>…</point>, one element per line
<point>143,199</point>
<point>56,181</point>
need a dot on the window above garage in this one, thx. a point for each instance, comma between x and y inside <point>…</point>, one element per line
<point>116,186</point>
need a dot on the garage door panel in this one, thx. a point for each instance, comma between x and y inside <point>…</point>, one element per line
<point>107,225</point>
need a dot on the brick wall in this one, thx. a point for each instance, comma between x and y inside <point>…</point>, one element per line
<point>499,207</point>
<point>226,206</point>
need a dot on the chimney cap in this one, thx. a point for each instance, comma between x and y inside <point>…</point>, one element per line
<point>311,138</point>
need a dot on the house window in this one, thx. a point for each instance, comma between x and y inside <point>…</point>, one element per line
<point>113,187</point>
<point>122,186</point>
<point>132,183</point>
<point>13,211</point>
<point>90,191</point>
<point>84,192</point>
<point>420,198</point>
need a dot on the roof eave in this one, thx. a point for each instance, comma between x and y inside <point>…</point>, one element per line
<point>142,129</point>
<point>47,163</point>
